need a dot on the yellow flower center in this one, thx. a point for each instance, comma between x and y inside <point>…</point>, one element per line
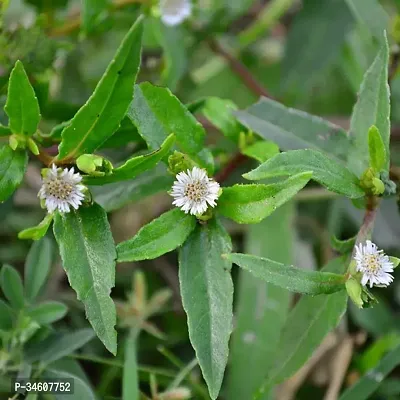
<point>196,191</point>
<point>372,262</point>
<point>58,188</point>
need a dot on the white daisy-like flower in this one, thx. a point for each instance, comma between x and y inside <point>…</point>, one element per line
<point>194,191</point>
<point>373,264</point>
<point>61,189</point>
<point>174,12</point>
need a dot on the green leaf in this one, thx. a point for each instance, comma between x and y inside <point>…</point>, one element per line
<point>101,115</point>
<point>157,113</point>
<point>12,170</point>
<point>220,113</point>
<point>175,57</point>
<point>58,346</point>
<point>207,295</point>
<point>262,150</point>
<point>37,267</point>
<point>249,204</point>
<point>325,170</point>
<point>91,10</point>
<point>293,129</point>
<point>255,338</point>
<point>5,131</point>
<point>11,285</point>
<point>311,51</point>
<point>130,378</point>
<point>116,195</point>
<point>289,277</point>
<point>88,254</point>
<point>134,166</point>
<point>371,15</point>
<point>160,236</point>
<point>369,383</point>
<point>377,151</point>
<point>22,106</point>
<point>308,323</point>
<point>372,108</point>
<point>47,313</point>
<point>343,246</point>
<point>38,231</point>
<point>6,316</point>
<point>82,390</point>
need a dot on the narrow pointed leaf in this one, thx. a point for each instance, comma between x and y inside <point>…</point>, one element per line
<point>22,106</point>
<point>289,277</point>
<point>308,323</point>
<point>157,113</point>
<point>12,287</point>
<point>101,115</point>
<point>82,389</point>
<point>59,345</point>
<point>207,295</point>
<point>116,195</point>
<point>38,231</point>
<point>377,151</point>
<point>134,166</point>
<point>12,170</point>
<point>326,171</point>
<point>369,383</point>
<point>293,129</point>
<point>47,313</point>
<point>255,339</point>
<point>37,267</point>
<point>372,108</point>
<point>88,256</point>
<point>249,204</point>
<point>160,236</point>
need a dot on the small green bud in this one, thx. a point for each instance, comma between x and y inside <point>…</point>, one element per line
<point>178,162</point>
<point>354,290</point>
<point>366,180</point>
<point>395,261</point>
<point>206,215</point>
<point>94,165</point>
<point>33,146</point>
<point>378,186</point>
<point>13,141</point>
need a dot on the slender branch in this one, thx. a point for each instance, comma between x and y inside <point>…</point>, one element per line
<point>231,165</point>
<point>45,157</point>
<point>238,68</point>
<point>369,219</point>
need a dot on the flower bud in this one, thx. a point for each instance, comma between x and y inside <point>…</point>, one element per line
<point>378,186</point>
<point>14,142</point>
<point>94,165</point>
<point>354,290</point>
<point>33,146</point>
<point>178,162</point>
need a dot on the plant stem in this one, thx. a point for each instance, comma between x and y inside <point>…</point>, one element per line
<point>369,219</point>
<point>238,68</point>
<point>230,166</point>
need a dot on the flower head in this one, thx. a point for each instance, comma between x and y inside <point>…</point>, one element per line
<point>373,264</point>
<point>173,12</point>
<point>61,189</point>
<point>194,191</point>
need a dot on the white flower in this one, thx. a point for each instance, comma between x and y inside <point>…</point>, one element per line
<point>373,264</point>
<point>193,190</point>
<point>61,189</point>
<point>174,12</point>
